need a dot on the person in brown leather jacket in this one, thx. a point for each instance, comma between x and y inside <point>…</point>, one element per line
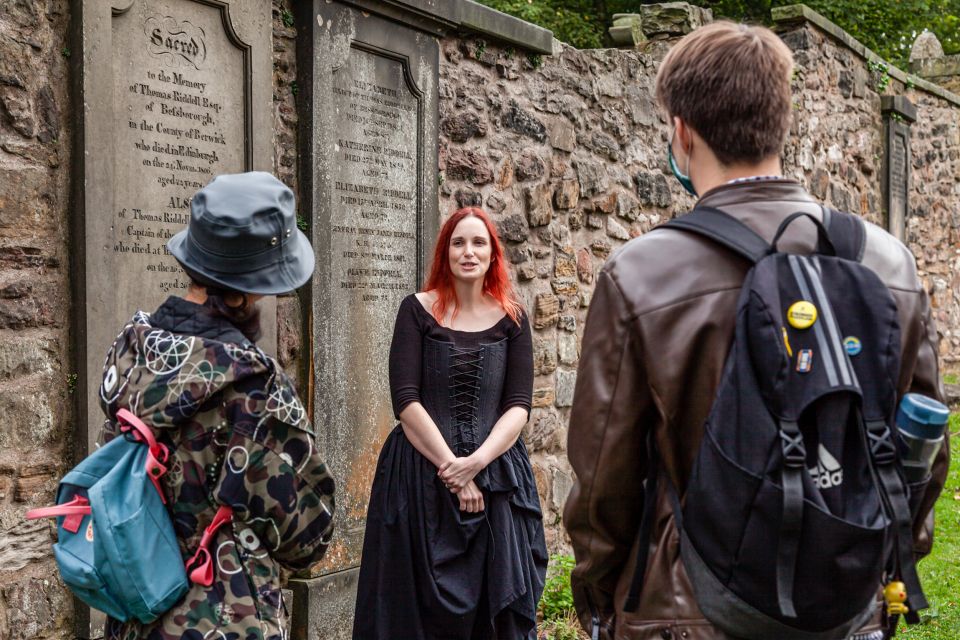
<point>661,321</point>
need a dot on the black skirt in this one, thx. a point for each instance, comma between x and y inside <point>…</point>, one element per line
<point>432,572</point>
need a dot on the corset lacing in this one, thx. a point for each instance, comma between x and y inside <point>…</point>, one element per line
<point>466,371</point>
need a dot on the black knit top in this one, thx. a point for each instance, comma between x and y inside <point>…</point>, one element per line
<point>414,323</point>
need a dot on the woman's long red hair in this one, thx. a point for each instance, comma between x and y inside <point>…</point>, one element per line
<point>496,282</point>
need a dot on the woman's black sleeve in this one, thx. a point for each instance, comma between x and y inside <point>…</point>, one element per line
<point>518,382</point>
<point>405,356</point>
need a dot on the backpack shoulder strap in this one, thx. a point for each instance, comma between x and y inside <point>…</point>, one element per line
<point>847,233</point>
<point>724,229</point>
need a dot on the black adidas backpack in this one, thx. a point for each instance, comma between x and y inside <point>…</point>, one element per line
<point>797,510</point>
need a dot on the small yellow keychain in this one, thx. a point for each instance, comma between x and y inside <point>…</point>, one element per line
<point>895,594</point>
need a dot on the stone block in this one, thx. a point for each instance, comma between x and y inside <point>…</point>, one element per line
<point>565,383</point>
<point>925,47</point>
<point>323,607</point>
<point>595,221</point>
<point>36,482</point>
<point>560,489</point>
<point>567,323</point>
<point>530,166</point>
<point>563,135</point>
<point>25,542</point>
<point>565,286</point>
<point>539,205</point>
<point>617,230</point>
<point>601,248</point>
<point>518,120</point>
<point>526,272</point>
<point>15,107</point>
<point>505,173</point>
<point>543,397</point>
<point>467,198</point>
<point>592,176</point>
<point>462,126</point>
<point>25,356</point>
<point>519,254</point>
<point>653,189</point>
<point>469,165</point>
<point>568,351</point>
<point>544,356</point>
<point>567,194</point>
<point>36,607</point>
<point>546,310</point>
<point>585,266</point>
<point>626,207</point>
<point>496,203</point>
<point>601,144</point>
<point>564,266</point>
<point>605,204</point>
<point>26,416</point>
<point>672,18</point>
<point>25,201</point>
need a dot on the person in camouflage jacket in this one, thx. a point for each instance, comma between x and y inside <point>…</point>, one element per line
<point>238,436</point>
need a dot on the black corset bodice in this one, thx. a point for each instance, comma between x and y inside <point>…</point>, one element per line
<point>461,390</point>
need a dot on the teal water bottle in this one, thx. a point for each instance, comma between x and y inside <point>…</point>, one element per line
<point>920,421</point>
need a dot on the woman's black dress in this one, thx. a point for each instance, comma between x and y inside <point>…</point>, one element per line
<point>430,571</point>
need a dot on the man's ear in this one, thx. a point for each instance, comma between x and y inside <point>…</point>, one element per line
<point>683,133</point>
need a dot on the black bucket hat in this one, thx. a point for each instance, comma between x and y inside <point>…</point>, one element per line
<point>243,236</point>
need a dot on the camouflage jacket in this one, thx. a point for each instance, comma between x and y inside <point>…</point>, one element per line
<point>239,436</point>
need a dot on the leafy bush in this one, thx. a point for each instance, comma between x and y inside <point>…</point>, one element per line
<point>557,600</point>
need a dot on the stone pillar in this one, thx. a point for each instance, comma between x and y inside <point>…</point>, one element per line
<point>928,61</point>
<point>657,22</point>
<point>898,113</point>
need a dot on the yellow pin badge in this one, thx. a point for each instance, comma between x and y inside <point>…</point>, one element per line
<point>802,314</point>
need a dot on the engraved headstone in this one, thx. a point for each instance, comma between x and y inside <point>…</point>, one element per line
<point>370,173</point>
<point>898,112</point>
<point>373,201</point>
<point>173,92</point>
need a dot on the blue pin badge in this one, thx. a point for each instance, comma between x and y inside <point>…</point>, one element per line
<point>852,345</point>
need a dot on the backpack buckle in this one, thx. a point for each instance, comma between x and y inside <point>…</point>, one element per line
<point>882,448</point>
<point>791,441</point>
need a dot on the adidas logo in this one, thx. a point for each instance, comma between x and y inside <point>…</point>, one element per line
<point>828,473</point>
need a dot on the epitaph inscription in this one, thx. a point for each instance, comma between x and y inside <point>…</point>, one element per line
<point>897,197</point>
<point>179,100</point>
<point>374,235</point>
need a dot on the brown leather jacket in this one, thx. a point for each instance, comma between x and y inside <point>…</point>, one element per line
<point>659,327</point>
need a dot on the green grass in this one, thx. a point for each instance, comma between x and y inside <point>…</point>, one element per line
<point>940,571</point>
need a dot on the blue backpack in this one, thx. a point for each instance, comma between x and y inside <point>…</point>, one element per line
<point>116,547</point>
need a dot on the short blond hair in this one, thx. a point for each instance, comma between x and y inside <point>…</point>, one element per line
<point>731,83</point>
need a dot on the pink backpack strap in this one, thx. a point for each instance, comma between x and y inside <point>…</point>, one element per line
<point>200,565</point>
<point>158,452</point>
<point>74,511</point>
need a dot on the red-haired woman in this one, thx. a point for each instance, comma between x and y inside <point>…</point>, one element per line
<point>454,545</point>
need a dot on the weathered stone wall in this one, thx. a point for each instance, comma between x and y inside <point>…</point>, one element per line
<point>36,408</point>
<point>836,149</point>
<point>569,155</point>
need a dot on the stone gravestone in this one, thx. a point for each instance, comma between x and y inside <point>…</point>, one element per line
<point>369,171</point>
<point>172,93</point>
<point>898,112</point>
